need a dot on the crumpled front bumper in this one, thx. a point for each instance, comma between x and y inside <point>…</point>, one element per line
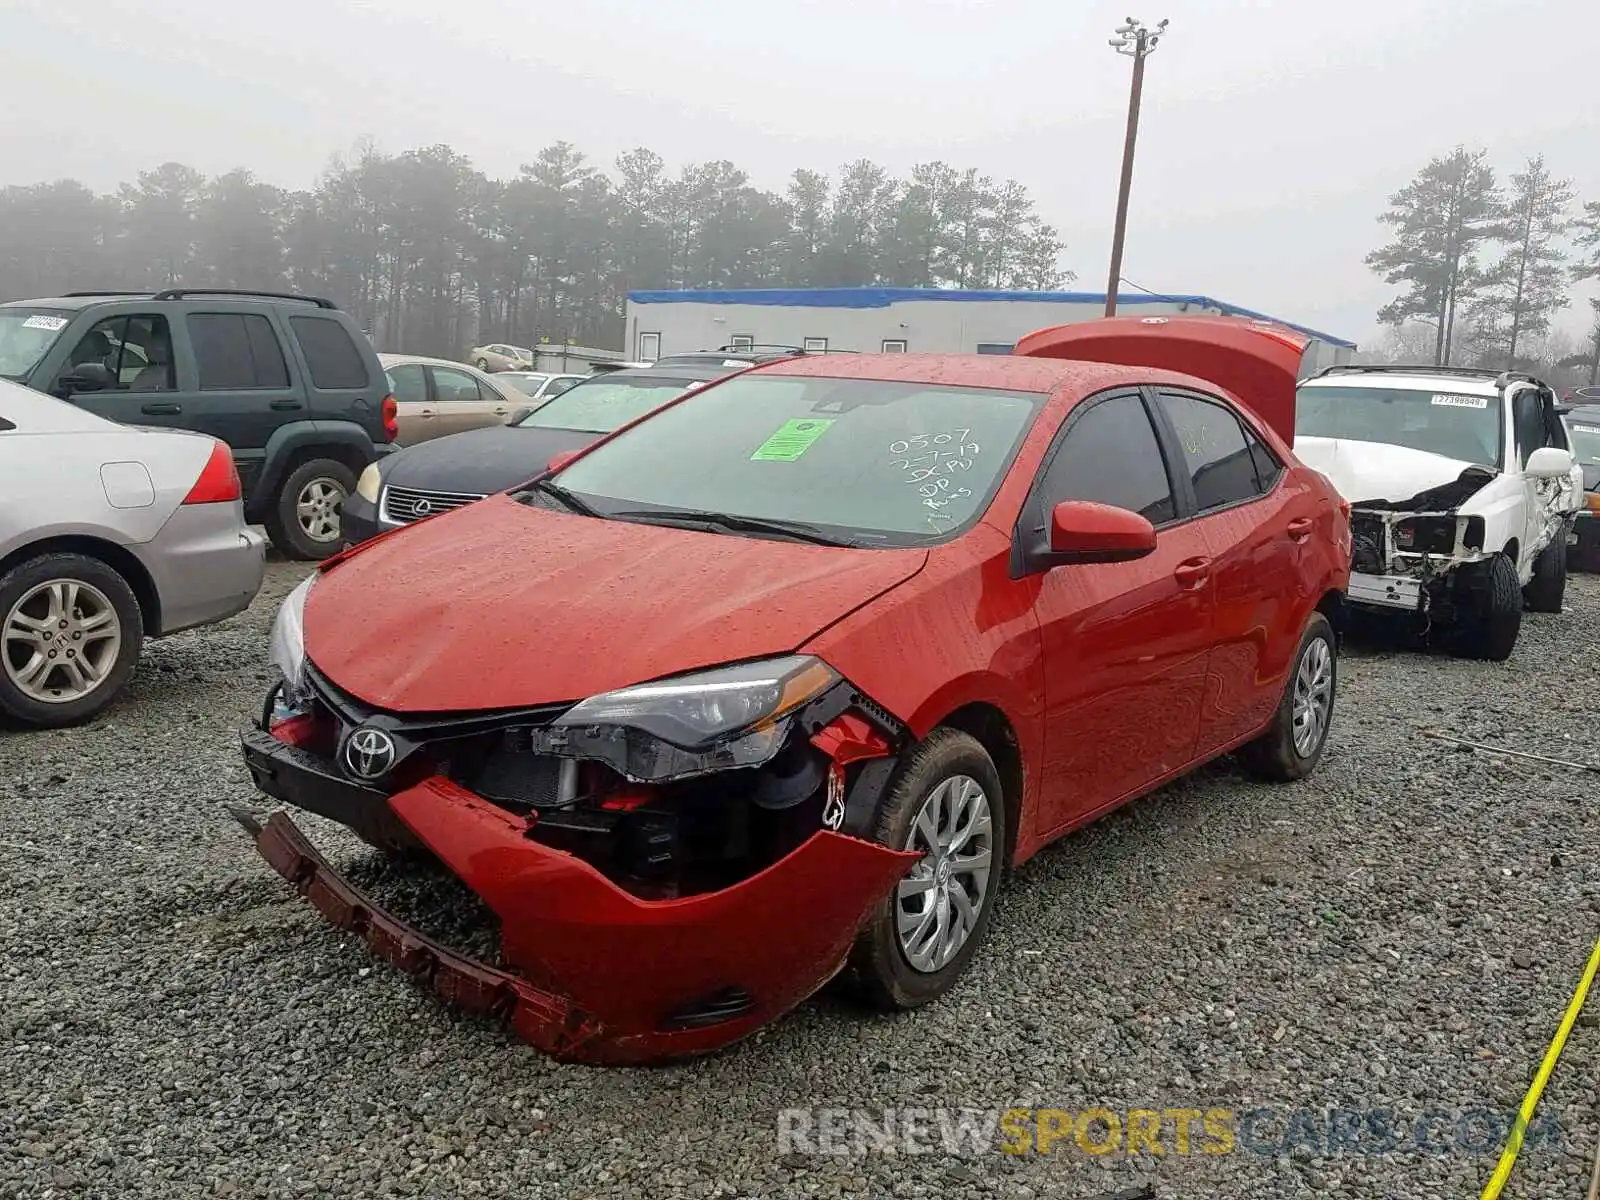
<point>594,973</point>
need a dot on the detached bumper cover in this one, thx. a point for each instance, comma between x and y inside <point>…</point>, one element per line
<point>597,974</point>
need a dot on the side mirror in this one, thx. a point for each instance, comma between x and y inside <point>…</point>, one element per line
<point>87,377</point>
<point>1549,462</point>
<point>519,415</point>
<point>1084,532</point>
<point>560,460</point>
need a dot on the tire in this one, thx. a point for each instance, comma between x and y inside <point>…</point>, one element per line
<point>1548,587</point>
<point>482,364</point>
<point>882,971</point>
<point>1281,754</point>
<point>323,483</point>
<point>43,603</point>
<point>1494,614</point>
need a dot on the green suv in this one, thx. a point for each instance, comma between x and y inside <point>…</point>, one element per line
<point>288,382</point>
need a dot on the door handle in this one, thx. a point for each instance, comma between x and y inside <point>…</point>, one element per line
<point>1192,572</point>
<point>288,404</point>
<point>1300,528</point>
<point>426,414</point>
<point>161,410</point>
<point>500,412</point>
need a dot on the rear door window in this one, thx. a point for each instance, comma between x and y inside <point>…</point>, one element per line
<point>332,357</point>
<point>454,386</point>
<point>1219,461</point>
<point>236,352</point>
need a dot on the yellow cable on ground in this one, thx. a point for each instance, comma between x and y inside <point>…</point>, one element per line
<point>1508,1156</point>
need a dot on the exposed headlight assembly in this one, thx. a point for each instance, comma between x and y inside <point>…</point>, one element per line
<point>693,724</point>
<point>287,647</point>
<point>368,485</point>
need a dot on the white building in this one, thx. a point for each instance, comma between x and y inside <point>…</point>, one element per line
<point>897,320</point>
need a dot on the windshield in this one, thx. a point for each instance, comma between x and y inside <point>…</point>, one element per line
<point>1455,425</point>
<point>890,464</point>
<point>1585,432</point>
<point>605,403</point>
<point>25,335</point>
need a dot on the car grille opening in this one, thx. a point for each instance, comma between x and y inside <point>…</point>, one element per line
<point>519,780</point>
<point>404,505</point>
<point>1368,545</point>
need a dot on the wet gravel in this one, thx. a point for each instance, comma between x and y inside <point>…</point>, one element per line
<point>1400,933</point>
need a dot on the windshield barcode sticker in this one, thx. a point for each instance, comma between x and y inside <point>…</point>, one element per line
<point>1461,401</point>
<point>1586,429</point>
<point>792,440</point>
<point>53,324</point>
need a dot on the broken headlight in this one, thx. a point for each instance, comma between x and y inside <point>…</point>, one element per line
<point>287,647</point>
<point>692,724</point>
<point>1425,535</point>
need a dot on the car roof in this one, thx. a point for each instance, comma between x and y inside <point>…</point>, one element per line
<point>72,302</point>
<point>1584,412</point>
<point>401,360</point>
<point>1000,371</point>
<point>1409,381</point>
<point>688,372</point>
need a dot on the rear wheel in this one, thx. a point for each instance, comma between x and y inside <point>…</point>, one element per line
<point>304,521</point>
<point>1493,613</point>
<point>1292,746</point>
<point>482,364</point>
<point>70,633</point>
<point>1548,587</point>
<point>947,803</point>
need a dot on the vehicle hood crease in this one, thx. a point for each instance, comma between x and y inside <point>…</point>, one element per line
<point>503,605</point>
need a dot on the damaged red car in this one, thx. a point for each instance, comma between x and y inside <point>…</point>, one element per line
<point>782,679</point>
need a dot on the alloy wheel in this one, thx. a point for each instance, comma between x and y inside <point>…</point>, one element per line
<point>938,903</point>
<point>1313,697</point>
<point>317,508</point>
<point>60,641</point>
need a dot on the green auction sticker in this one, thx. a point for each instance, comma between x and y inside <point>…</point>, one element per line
<point>792,440</point>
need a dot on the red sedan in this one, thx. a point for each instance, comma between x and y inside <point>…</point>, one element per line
<point>783,678</point>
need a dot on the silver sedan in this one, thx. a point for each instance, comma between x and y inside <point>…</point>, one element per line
<point>108,535</point>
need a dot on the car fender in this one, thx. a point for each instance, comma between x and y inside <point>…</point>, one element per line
<point>1501,503</point>
<point>289,438</point>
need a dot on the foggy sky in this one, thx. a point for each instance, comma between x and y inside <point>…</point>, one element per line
<point>1272,131</point>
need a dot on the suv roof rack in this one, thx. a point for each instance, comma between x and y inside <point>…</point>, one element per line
<point>180,293</point>
<point>1500,378</point>
<point>113,292</point>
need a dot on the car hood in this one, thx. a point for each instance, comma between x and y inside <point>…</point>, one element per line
<point>1377,471</point>
<point>481,461</point>
<point>501,605</point>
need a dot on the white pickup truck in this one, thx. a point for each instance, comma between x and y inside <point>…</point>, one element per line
<point>1462,486</point>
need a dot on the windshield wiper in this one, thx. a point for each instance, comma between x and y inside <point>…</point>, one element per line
<point>565,497</point>
<point>691,518</point>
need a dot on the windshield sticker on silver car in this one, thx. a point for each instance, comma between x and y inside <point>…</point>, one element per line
<point>1586,429</point>
<point>53,324</point>
<point>1461,401</point>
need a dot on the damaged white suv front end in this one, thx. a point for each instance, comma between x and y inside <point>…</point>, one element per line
<point>1462,486</point>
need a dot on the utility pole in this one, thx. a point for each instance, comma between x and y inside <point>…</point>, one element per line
<point>1138,42</point>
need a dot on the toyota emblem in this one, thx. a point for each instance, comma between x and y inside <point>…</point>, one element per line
<point>369,753</point>
<point>422,508</point>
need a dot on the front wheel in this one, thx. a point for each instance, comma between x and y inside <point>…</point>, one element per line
<point>946,802</point>
<point>304,521</point>
<point>1548,587</point>
<point>1493,617</point>
<point>1292,746</point>
<point>70,633</point>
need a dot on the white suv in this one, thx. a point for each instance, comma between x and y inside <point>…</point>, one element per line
<point>1462,486</point>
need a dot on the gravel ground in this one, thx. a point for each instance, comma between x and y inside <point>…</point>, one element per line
<point>1400,932</point>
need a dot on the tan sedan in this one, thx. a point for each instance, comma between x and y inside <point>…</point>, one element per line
<point>436,397</point>
<point>501,357</point>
